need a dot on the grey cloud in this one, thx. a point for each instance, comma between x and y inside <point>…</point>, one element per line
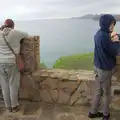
<point>56,8</point>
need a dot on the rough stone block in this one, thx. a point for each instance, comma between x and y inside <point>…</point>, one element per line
<point>54,94</point>
<point>63,97</point>
<point>23,94</point>
<point>55,75</point>
<point>67,86</point>
<point>37,76</point>
<point>75,97</point>
<point>45,96</point>
<point>82,101</point>
<point>29,94</point>
<point>51,83</point>
<point>44,75</point>
<point>83,87</point>
<point>35,95</point>
<point>72,77</point>
<point>65,76</point>
<point>27,82</point>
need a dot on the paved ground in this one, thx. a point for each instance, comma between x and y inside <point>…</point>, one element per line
<point>45,111</point>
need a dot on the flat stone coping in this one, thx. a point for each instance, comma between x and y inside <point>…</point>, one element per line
<point>62,74</point>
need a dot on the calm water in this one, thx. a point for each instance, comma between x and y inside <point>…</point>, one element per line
<point>62,37</point>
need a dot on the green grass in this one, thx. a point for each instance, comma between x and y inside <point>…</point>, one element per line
<point>79,61</point>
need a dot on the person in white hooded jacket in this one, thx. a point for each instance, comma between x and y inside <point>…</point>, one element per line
<point>9,74</point>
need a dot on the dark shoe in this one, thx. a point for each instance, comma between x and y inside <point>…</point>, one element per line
<point>9,109</point>
<point>106,117</point>
<point>98,114</point>
<point>16,109</point>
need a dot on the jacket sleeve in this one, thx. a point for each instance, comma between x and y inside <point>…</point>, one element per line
<point>19,35</point>
<point>110,47</point>
<point>22,34</point>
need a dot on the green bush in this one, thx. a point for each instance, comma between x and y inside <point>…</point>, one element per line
<point>42,65</point>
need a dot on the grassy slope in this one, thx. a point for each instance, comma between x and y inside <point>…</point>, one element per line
<point>79,61</point>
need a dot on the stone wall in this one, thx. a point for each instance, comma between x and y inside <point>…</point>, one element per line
<point>71,87</point>
<point>64,86</point>
<point>60,86</point>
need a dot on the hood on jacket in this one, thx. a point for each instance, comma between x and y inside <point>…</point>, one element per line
<point>105,21</point>
<point>6,31</point>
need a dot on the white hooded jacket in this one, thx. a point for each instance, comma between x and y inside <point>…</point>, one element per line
<point>13,37</point>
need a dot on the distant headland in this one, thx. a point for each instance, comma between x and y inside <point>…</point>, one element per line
<point>96,16</point>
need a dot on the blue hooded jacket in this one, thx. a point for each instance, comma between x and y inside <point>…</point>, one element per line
<point>105,50</point>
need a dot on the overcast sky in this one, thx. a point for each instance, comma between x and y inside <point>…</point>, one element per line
<point>36,9</point>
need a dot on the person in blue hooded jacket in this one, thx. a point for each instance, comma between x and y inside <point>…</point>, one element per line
<point>105,53</point>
